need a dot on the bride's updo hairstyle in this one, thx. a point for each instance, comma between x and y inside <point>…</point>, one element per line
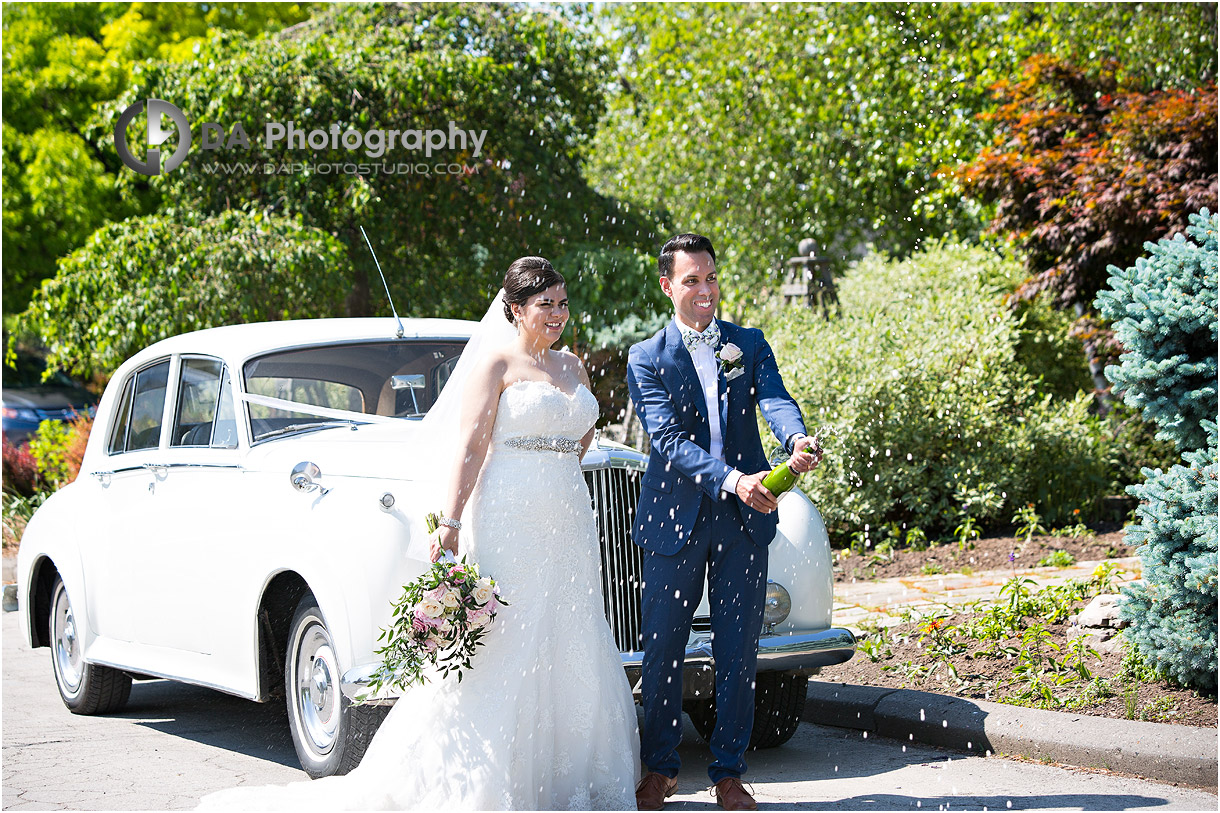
<point>524,278</point>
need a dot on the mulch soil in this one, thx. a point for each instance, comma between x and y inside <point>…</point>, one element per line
<point>983,677</point>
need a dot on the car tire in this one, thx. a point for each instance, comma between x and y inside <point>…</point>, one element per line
<point>779,701</point>
<point>329,733</point>
<point>85,688</point>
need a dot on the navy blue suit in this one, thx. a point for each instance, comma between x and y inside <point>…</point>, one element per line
<point>689,529</point>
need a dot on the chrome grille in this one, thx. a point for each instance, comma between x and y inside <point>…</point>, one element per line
<point>615,493</point>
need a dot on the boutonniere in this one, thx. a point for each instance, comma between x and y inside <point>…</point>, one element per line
<point>729,357</point>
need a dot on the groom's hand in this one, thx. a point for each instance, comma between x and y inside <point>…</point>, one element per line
<point>806,454</point>
<point>753,493</point>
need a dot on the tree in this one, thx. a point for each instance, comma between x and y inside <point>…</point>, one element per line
<point>147,278</point>
<point>526,77</point>
<point>61,60</point>
<point>1164,312</point>
<point>1084,172</point>
<point>762,125</point>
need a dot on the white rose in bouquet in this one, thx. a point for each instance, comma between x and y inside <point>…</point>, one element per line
<point>432,608</point>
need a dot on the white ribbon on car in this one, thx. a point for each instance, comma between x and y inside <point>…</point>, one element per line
<point>321,412</point>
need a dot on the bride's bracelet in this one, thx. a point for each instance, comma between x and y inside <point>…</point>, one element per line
<point>450,522</point>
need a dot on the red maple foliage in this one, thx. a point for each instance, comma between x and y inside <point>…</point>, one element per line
<point>1084,172</point>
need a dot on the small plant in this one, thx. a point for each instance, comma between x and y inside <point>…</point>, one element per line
<point>1058,558</point>
<point>966,532</point>
<point>1028,522</point>
<point>875,647</point>
<point>931,569</point>
<point>916,539</point>
<point>1076,531</point>
<point>17,512</point>
<point>1162,708</point>
<point>1131,699</point>
<point>1104,578</point>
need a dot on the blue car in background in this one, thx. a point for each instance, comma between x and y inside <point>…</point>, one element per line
<point>28,400</point>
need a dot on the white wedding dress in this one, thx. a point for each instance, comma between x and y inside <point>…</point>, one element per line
<point>544,720</point>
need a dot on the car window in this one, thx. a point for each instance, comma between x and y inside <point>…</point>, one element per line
<point>389,378</point>
<point>138,419</point>
<point>118,433</point>
<point>204,418</point>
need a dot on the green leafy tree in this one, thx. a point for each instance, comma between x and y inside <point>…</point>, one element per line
<point>762,125</point>
<point>525,76</point>
<point>1164,313</point>
<point>147,278</point>
<point>62,60</point>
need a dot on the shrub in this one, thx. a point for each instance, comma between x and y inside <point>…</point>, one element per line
<point>20,469</point>
<point>936,416</point>
<point>58,448</point>
<point>1173,613</point>
<point>1164,312</point>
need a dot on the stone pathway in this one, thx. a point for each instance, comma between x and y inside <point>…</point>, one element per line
<point>869,603</point>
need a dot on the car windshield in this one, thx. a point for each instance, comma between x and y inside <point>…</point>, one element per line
<point>375,381</point>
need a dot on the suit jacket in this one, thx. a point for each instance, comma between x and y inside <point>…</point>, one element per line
<point>664,386</point>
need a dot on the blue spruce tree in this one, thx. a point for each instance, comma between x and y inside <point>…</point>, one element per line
<point>1164,313</point>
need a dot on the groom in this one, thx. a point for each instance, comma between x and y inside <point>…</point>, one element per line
<point>703,511</point>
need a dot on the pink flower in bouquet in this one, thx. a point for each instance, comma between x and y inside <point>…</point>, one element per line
<point>479,618</point>
<point>431,645</point>
<point>437,593</point>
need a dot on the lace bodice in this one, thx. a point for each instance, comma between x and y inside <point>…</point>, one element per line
<point>540,409</point>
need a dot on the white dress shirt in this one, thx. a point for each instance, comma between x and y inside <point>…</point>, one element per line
<point>706,367</point>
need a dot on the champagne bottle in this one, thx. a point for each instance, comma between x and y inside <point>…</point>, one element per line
<point>780,480</point>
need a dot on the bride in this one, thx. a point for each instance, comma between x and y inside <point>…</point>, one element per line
<point>545,719</point>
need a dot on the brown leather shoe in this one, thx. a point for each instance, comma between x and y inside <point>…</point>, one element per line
<point>731,795</point>
<point>653,790</point>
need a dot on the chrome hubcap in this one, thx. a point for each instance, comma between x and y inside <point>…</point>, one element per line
<point>317,701</point>
<point>69,664</point>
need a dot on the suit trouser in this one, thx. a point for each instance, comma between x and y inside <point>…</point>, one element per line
<point>736,570</point>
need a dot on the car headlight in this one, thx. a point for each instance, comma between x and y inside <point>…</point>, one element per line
<point>20,414</point>
<point>777,605</point>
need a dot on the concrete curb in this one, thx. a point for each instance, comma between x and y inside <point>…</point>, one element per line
<point>1169,753</point>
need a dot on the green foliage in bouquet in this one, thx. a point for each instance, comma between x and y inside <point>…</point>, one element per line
<point>1164,312</point>
<point>937,417</point>
<point>439,620</point>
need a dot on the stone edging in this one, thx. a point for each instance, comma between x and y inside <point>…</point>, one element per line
<point>1169,753</point>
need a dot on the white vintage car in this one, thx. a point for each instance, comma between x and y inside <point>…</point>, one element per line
<point>249,506</point>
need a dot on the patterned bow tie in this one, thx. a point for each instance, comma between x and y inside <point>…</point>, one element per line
<point>710,336</point>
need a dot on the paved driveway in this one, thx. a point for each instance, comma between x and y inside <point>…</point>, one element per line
<point>175,743</point>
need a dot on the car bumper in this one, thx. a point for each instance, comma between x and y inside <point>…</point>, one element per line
<point>797,651</point>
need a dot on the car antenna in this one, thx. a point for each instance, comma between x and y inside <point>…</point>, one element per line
<point>398,334</point>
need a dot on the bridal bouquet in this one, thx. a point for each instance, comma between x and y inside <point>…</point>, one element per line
<point>439,620</point>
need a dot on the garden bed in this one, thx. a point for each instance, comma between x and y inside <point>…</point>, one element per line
<point>1021,649</point>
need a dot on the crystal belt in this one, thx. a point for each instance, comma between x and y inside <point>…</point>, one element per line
<point>537,443</point>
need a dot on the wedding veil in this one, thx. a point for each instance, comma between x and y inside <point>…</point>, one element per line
<point>438,442</point>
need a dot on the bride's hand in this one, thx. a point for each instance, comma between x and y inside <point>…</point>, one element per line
<point>444,539</point>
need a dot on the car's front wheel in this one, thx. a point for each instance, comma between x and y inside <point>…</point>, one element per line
<point>779,700</point>
<point>329,733</point>
<point>84,687</point>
